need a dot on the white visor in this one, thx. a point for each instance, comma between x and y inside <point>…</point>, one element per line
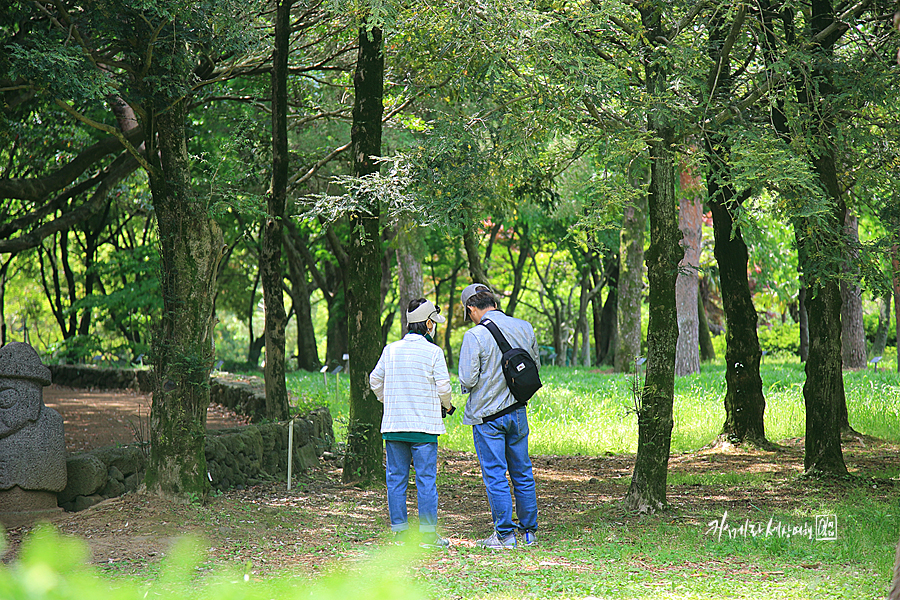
<point>424,312</point>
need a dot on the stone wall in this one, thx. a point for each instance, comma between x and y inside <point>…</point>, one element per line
<point>86,377</point>
<point>238,457</point>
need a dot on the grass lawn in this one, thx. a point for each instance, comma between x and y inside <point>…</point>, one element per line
<point>588,412</point>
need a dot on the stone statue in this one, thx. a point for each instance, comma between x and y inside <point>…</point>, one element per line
<point>32,441</point>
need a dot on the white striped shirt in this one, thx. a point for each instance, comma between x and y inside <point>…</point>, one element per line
<point>412,381</point>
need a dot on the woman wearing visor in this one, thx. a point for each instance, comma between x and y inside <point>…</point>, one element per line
<point>412,381</point>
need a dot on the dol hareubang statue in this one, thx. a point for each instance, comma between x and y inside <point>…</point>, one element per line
<point>32,441</point>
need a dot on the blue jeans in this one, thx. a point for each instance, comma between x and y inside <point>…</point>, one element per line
<point>502,445</point>
<point>424,458</point>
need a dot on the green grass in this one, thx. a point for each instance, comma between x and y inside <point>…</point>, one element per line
<point>604,554</point>
<point>600,553</point>
<point>580,412</point>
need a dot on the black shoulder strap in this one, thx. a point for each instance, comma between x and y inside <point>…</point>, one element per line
<point>498,336</point>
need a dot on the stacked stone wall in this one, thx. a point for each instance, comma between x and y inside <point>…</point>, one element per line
<point>235,458</point>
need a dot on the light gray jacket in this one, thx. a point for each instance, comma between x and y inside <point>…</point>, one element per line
<point>480,373</point>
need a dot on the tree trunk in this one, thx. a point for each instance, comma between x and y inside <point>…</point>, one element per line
<point>337,333</point>
<point>254,351</point>
<point>409,269</point>
<point>519,270</point>
<point>254,348</point>
<point>894,594</point>
<point>3,272</point>
<point>448,328</point>
<point>745,403</point>
<point>690,215</point>
<point>605,316</point>
<point>307,351</point>
<point>804,323</point>
<point>387,282</point>
<point>647,492</point>
<point>582,339</point>
<point>191,246</point>
<point>823,392</point>
<point>853,332</point>
<point>363,460</point>
<point>631,284</point>
<point>884,324</point>
<point>277,406</point>
<point>558,340</point>
<point>707,350</point>
<point>895,263</point>
<point>476,270</point>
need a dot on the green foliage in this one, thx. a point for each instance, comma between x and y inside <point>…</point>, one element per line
<point>870,323</point>
<point>780,339</point>
<point>64,70</point>
<point>77,349</point>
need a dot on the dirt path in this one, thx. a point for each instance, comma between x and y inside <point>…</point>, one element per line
<point>98,418</point>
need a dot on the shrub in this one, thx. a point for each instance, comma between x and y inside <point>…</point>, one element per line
<point>780,339</point>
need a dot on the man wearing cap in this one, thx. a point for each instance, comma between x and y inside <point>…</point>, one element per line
<point>498,420</point>
<point>412,381</point>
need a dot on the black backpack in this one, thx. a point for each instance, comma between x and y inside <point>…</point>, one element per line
<point>519,368</point>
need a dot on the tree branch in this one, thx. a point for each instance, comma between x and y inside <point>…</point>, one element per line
<point>108,129</point>
<point>36,189</point>
<point>121,168</point>
<point>839,23</point>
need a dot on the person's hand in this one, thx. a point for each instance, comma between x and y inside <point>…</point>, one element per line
<point>447,411</point>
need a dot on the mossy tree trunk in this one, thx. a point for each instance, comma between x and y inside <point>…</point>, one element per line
<point>270,261</point>
<point>823,392</point>
<point>191,247</point>
<point>745,403</point>
<point>647,492</point>
<point>363,461</point>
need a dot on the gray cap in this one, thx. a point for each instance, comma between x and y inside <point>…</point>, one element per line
<point>471,290</point>
<point>19,361</point>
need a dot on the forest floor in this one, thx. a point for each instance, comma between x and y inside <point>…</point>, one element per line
<point>320,520</point>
